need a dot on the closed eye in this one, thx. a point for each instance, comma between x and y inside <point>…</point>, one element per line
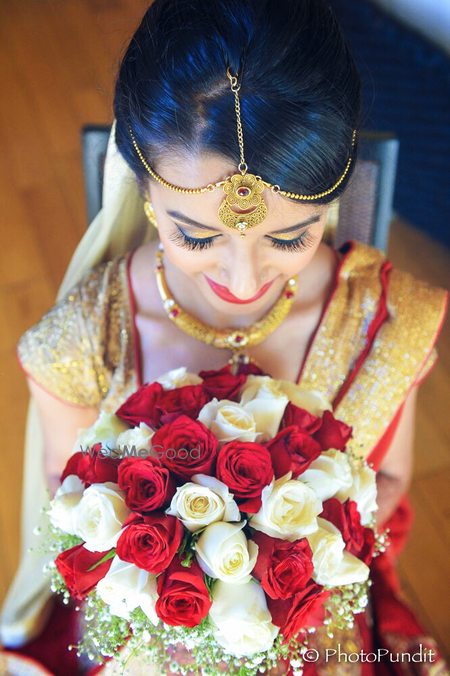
<point>180,238</point>
<point>300,243</point>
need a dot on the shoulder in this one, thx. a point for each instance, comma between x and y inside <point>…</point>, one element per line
<point>401,317</point>
<point>410,302</point>
<point>67,351</point>
<point>407,312</point>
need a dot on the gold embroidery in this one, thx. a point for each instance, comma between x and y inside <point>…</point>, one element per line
<point>400,350</point>
<point>342,333</point>
<point>427,661</point>
<point>82,348</point>
<point>428,364</point>
<point>333,653</point>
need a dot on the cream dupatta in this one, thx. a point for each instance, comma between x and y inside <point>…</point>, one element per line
<point>120,225</point>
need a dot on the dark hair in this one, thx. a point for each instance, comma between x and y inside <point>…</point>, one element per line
<point>300,90</point>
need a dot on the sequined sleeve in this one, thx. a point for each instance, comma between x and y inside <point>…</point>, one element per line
<point>82,350</point>
<point>57,353</point>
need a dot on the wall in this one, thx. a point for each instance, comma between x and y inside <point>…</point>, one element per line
<point>431,18</point>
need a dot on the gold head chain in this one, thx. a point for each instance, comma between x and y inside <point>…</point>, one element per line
<point>242,190</point>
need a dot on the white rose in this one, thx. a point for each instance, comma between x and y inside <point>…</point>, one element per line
<point>126,587</point>
<point>105,430</point>
<point>140,437</point>
<point>228,421</point>
<point>202,501</point>
<point>312,401</point>
<point>178,378</point>
<point>332,564</point>
<point>242,623</point>
<point>289,509</point>
<point>262,397</point>
<point>62,507</point>
<point>363,491</point>
<point>224,552</point>
<point>100,515</point>
<point>328,474</point>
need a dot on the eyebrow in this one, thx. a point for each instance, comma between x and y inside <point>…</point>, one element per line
<point>177,215</point>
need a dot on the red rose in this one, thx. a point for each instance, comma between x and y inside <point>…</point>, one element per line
<point>73,564</point>
<point>150,542</point>
<point>294,415</point>
<point>332,433</point>
<point>283,568</point>
<point>245,467</point>
<point>305,609</point>
<point>346,518</point>
<point>187,400</point>
<point>292,449</point>
<point>147,484</point>
<point>222,384</point>
<point>140,406</point>
<point>92,467</point>
<point>186,447</point>
<point>368,548</point>
<point>183,595</point>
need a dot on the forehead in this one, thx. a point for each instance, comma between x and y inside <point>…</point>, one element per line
<point>197,171</point>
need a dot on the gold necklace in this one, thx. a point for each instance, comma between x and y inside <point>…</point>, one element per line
<point>227,338</point>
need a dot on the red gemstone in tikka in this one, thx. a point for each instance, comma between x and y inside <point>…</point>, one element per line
<point>288,294</point>
<point>238,339</point>
<point>174,312</point>
<point>243,191</point>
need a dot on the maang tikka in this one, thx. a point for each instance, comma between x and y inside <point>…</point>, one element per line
<point>242,190</point>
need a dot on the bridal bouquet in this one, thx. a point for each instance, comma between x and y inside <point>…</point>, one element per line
<point>217,511</point>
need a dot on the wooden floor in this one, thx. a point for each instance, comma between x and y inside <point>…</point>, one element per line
<point>58,60</point>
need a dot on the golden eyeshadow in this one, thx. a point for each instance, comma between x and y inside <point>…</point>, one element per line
<point>288,236</point>
<point>202,234</point>
<point>197,234</point>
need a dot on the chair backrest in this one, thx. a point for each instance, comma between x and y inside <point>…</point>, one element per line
<point>94,141</point>
<point>365,209</point>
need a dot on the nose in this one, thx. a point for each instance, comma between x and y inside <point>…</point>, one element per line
<point>244,273</point>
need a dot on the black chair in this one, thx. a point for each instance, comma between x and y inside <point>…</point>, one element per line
<point>365,209</point>
<point>94,139</point>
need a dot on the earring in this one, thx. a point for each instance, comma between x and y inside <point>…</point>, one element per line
<point>150,213</point>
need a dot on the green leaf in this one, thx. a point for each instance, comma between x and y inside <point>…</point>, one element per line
<point>110,555</point>
<point>209,582</point>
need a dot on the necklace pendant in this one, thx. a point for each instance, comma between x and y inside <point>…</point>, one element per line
<point>237,338</point>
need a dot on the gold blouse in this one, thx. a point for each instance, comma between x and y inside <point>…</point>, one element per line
<point>375,340</point>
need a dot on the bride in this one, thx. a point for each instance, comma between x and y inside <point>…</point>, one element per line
<point>236,127</point>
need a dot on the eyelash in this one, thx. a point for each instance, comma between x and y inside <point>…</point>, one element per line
<point>300,243</point>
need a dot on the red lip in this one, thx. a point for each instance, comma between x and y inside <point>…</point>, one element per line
<point>224,293</point>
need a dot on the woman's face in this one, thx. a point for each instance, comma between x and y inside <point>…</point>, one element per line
<point>235,274</point>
